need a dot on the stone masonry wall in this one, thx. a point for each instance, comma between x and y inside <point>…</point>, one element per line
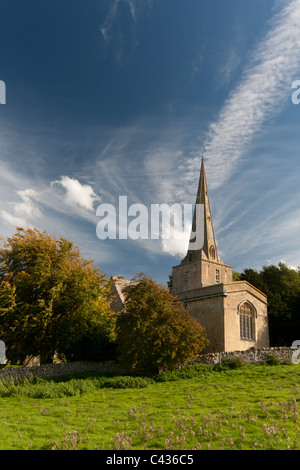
<point>64,368</point>
<point>251,356</point>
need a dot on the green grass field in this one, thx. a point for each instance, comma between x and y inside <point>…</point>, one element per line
<point>251,407</point>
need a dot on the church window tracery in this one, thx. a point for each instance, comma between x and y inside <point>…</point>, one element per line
<point>247,316</point>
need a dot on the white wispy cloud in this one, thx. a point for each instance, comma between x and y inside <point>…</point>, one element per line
<point>22,214</point>
<point>114,34</point>
<point>264,89</point>
<point>12,220</point>
<point>76,193</point>
<point>134,7</point>
<point>229,66</point>
<point>28,207</point>
<point>106,26</point>
<point>177,244</point>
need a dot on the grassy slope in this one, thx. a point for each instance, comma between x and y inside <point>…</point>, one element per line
<point>253,407</point>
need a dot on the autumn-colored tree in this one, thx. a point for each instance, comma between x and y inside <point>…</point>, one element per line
<point>50,296</point>
<point>155,331</point>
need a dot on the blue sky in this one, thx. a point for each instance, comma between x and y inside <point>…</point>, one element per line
<point>110,98</point>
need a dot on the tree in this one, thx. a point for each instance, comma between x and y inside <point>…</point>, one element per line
<point>155,331</point>
<point>281,284</point>
<point>255,278</point>
<point>236,276</point>
<point>170,282</point>
<point>51,297</point>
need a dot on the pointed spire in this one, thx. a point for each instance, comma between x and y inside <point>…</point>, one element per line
<point>202,230</point>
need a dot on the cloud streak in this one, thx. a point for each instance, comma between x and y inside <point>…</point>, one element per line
<point>134,6</point>
<point>63,196</point>
<point>23,212</point>
<point>264,89</point>
<point>106,26</point>
<point>115,33</point>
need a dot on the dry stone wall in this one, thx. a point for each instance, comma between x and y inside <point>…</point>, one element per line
<point>251,356</point>
<point>65,368</point>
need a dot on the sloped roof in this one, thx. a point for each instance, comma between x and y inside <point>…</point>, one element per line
<point>120,283</point>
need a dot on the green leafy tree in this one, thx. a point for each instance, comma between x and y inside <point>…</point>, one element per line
<point>155,331</point>
<point>236,276</point>
<point>282,286</point>
<point>51,296</point>
<point>255,278</point>
<point>170,282</point>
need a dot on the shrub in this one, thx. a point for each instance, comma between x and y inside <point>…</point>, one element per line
<point>126,382</point>
<point>232,363</point>
<point>43,388</point>
<point>272,360</point>
<point>188,372</point>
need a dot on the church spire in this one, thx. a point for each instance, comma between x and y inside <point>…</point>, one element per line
<point>202,237</point>
<point>201,267</point>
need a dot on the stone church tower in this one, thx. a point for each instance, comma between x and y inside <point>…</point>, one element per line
<point>234,314</point>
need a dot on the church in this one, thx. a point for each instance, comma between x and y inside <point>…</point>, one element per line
<point>234,314</point>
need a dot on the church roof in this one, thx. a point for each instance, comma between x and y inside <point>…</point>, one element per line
<point>120,283</point>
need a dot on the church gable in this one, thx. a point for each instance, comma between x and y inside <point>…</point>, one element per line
<point>118,297</point>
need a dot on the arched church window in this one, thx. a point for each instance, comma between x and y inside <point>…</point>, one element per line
<point>247,318</point>
<point>212,252</point>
